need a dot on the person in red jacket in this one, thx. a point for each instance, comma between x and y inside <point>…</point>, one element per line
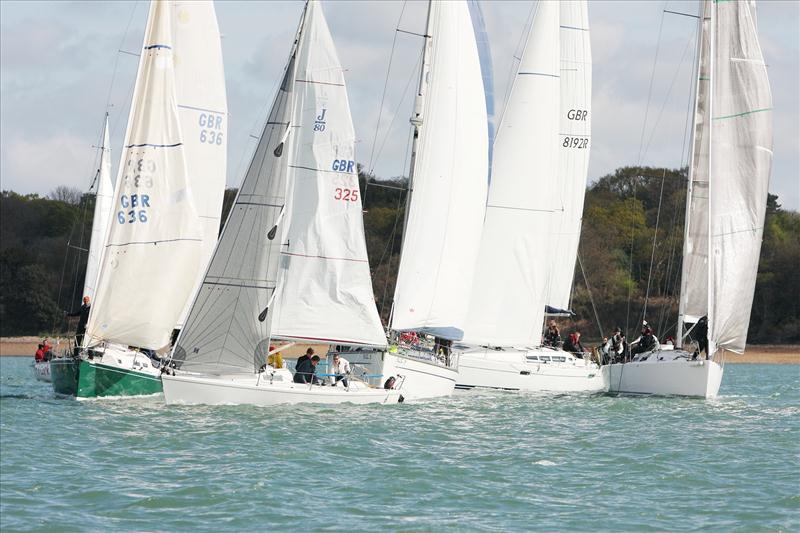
<point>39,354</point>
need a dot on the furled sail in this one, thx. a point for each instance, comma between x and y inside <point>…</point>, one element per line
<point>291,261</point>
<point>574,142</point>
<point>694,280</point>
<point>102,216</point>
<point>153,247</point>
<point>203,113</point>
<point>324,284</point>
<point>508,296</point>
<point>449,184</point>
<point>741,162</point>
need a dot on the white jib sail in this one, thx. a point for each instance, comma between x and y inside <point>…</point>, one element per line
<point>694,276</point>
<point>741,162</point>
<point>574,143</point>
<point>442,234</point>
<point>154,242</point>
<point>203,113</point>
<point>508,296</point>
<point>324,285</point>
<point>102,216</point>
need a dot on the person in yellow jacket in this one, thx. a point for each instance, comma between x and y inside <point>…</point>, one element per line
<point>275,360</point>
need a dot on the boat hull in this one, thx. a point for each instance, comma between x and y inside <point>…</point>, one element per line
<point>419,380</point>
<point>250,390</point>
<point>41,371</point>
<point>64,375</point>
<point>514,370</point>
<point>678,377</point>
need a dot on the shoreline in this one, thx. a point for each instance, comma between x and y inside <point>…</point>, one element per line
<point>770,354</point>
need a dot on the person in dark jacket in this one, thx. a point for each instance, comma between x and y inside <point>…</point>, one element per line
<point>305,371</point>
<point>701,334</point>
<point>303,358</point>
<point>552,337</point>
<point>574,345</point>
<point>83,313</point>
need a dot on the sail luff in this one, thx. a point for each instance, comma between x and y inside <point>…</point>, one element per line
<point>509,291</point>
<point>102,215</point>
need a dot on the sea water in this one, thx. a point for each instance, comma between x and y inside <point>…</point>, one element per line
<point>493,461</point>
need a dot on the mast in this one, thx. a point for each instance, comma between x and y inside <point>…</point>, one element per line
<point>712,36</point>
<point>689,187</point>
<point>418,115</point>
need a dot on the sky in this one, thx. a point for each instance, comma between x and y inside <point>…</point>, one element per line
<point>60,64</point>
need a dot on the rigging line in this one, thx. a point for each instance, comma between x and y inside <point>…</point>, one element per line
<point>591,298</point>
<point>383,94</point>
<point>517,55</point>
<point>650,88</point>
<point>666,99</point>
<point>653,251</point>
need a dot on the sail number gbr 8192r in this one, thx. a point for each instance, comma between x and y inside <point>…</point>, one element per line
<point>576,141</point>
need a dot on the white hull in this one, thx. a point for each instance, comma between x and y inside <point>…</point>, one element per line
<point>41,371</point>
<point>253,389</point>
<point>417,379</point>
<point>540,369</point>
<point>669,374</point>
<point>123,358</point>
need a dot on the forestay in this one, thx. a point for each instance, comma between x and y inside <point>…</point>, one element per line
<point>153,246</point>
<point>203,113</point>
<point>449,185</point>
<point>324,284</point>
<point>694,280</point>
<point>102,216</point>
<point>741,162</point>
<point>508,296</point>
<point>574,142</point>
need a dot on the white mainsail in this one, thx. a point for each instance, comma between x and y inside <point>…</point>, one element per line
<point>508,295</point>
<point>694,280</point>
<point>449,183</point>
<point>740,166</point>
<point>203,113</point>
<point>153,247</point>
<point>101,218</point>
<point>290,264</point>
<point>574,143</point>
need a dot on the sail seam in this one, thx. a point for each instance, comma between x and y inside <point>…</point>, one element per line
<point>240,285</point>
<point>519,208</point>
<point>155,46</point>
<point>153,242</point>
<point>743,114</point>
<point>573,28</point>
<point>259,203</point>
<point>538,74</point>
<point>319,169</point>
<point>325,257</point>
<point>321,82</point>
<point>182,106</point>
<point>154,145</point>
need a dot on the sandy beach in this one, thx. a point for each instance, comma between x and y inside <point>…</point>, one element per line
<point>779,354</point>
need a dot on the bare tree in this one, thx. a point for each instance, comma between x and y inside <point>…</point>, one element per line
<point>69,195</point>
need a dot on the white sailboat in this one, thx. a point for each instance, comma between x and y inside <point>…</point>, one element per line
<point>291,263</point>
<point>726,206</point>
<point>164,208</point>
<point>530,236</point>
<point>446,203</point>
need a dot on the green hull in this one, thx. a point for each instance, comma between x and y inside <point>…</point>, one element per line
<point>91,380</point>
<point>64,375</point>
<point>95,379</point>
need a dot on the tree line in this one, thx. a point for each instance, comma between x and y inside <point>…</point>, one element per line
<point>629,264</point>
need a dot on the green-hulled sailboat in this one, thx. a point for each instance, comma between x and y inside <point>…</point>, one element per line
<point>162,217</point>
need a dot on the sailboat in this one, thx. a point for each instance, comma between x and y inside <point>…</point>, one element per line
<point>533,215</point>
<point>291,264</point>
<point>445,206</point>
<point>725,208</point>
<point>164,210</point>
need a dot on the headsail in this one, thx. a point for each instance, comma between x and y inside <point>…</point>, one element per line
<point>574,142</point>
<point>102,216</point>
<point>153,247</point>
<point>324,285</point>
<point>449,183</point>
<point>508,295</point>
<point>694,276</point>
<point>741,162</point>
<point>203,113</point>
